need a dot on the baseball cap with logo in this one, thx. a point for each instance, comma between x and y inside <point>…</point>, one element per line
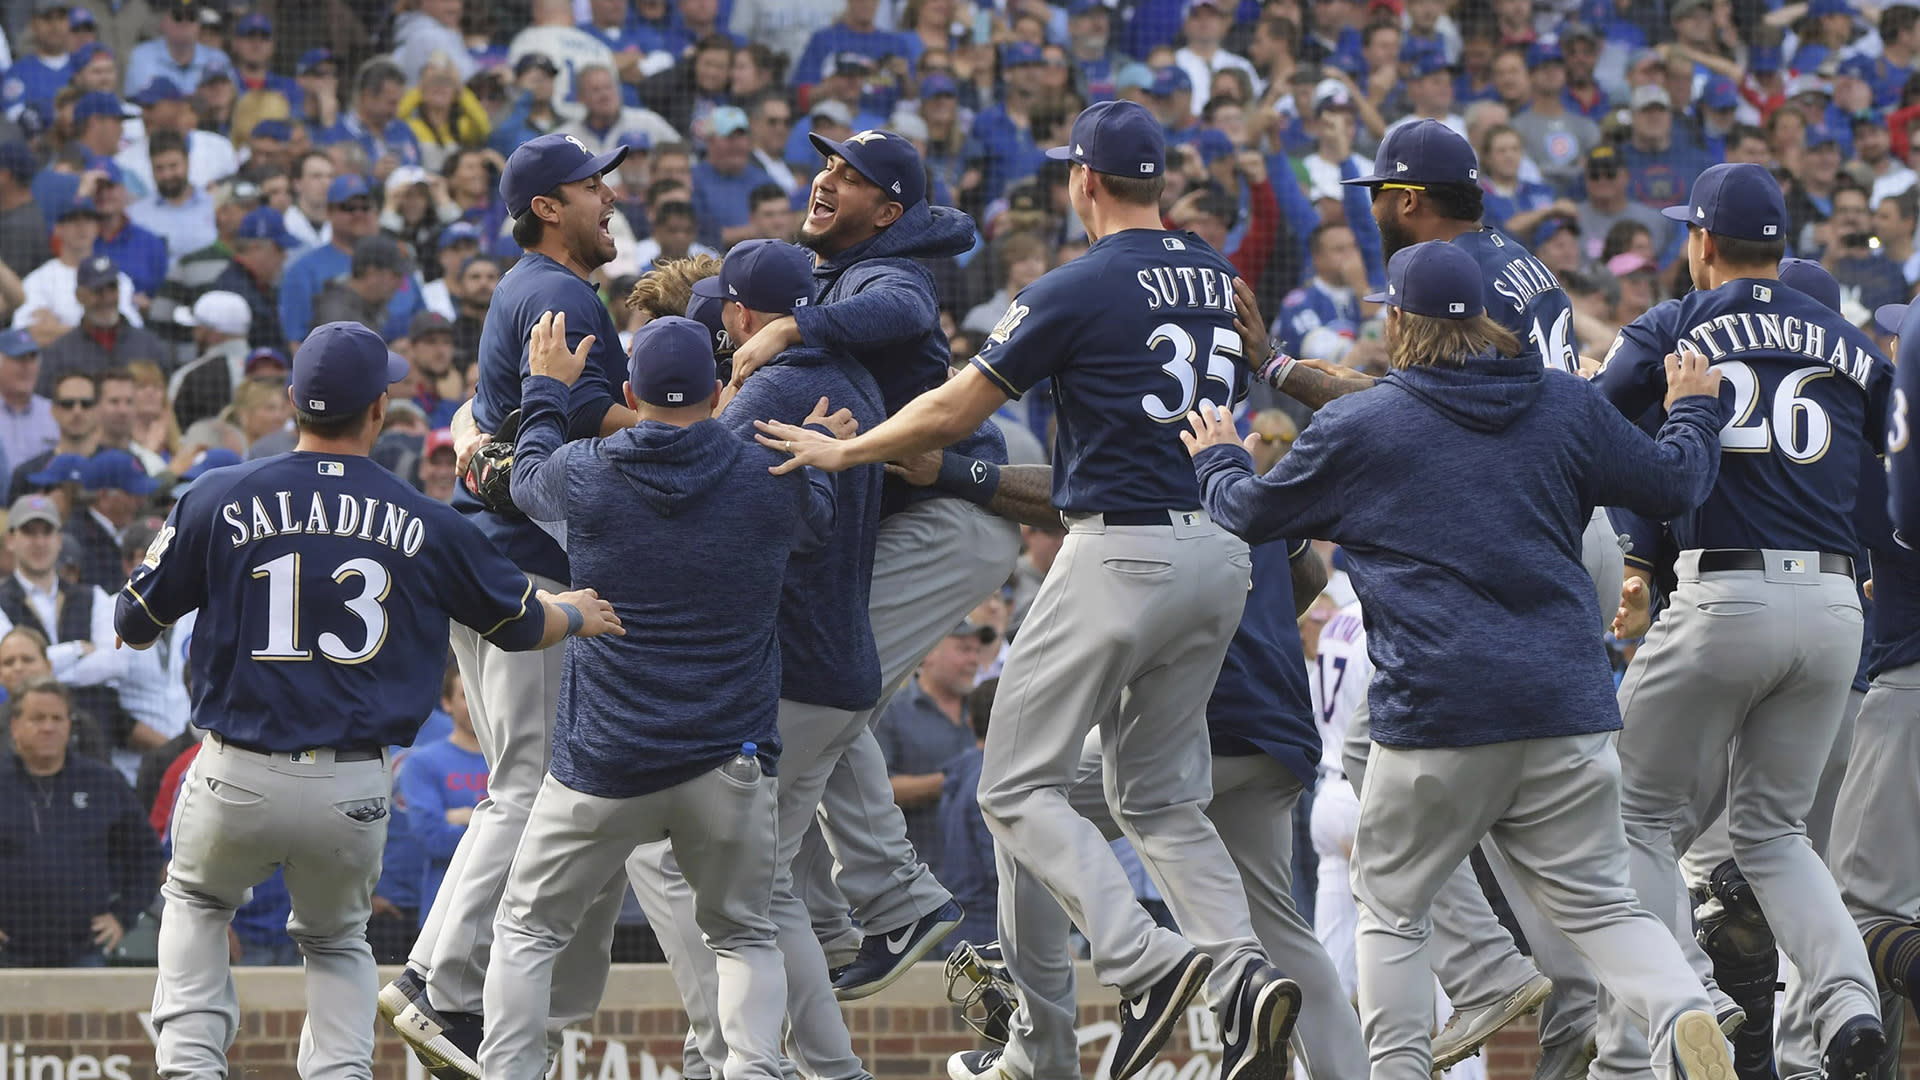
<point>266,223</point>
<point>265,360</point>
<point>728,120</point>
<point>1650,96</point>
<point>705,306</point>
<point>117,470</point>
<point>1020,54</point>
<point>1169,81</point>
<point>1735,199</point>
<point>1423,152</point>
<point>61,469</point>
<point>1119,138</point>
<point>1720,94</point>
<point>347,188</point>
<point>460,232</point>
<point>29,508</point>
<point>253,24</point>
<point>938,84</point>
<point>538,166</point>
<point>1811,278</point>
<point>97,272</point>
<point>18,343</point>
<point>278,130</point>
<point>159,90</point>
<point>767,275</point>
<point>1546,51</point>
<point>671,364</point>
<point>341,368</point>
<point>311,59</point>
<point>426,321</point>
<point>219,311</point>
<point>883,157</point>
<point>97,103</point>
<point>1435,279</point>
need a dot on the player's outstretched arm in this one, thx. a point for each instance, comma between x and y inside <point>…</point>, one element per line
<point>1664,477</point>
<point>1300,497</point>
<point>576,613</point>
<point>940,417</point>
<point>1310,382</point>
<point>1021,493</point>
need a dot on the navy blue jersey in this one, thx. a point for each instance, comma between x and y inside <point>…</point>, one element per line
<point>1260,703</point>
<point>1133,334</point>
<point>1893,617</point>
<point>1808,395</point>
<point>1903,457</point>
<point>535,286</point>
<point>326,584</point>
<point>1525,297</point>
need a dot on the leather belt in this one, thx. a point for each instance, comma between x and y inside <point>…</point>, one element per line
<point>1748,559</point>
<point>344,756</point>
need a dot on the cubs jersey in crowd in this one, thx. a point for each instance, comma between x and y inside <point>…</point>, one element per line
<point>333,579</point>
<point>535,286</point>
<point>1260,702</point>
<point>1338,679</point>
<point>1310,307</point>
<point>1134,334</point>
<point>1525,297</point>
<point>1808,395</point>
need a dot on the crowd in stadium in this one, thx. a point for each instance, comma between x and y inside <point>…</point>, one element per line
<point>186,189</point>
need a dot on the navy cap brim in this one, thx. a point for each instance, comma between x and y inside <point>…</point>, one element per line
<point>1060,153</point>
<point>397,367</point>
<point>1375,298</point>
<point>1364,181</point>
<point>1888,317</point>
<point>708,287</point>
<point>1678,213</point>
<point>597,166</point>
<point>830,148</point>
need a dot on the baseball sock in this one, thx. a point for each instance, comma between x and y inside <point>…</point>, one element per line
<point>1894,949</point>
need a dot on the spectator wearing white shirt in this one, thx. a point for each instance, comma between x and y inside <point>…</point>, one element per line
<point>177,211</point>
<point>434,28</point>
<point>76,619</point>
<point>308,218</point>
<point>1207,23</point>
<point>606,124</point>
<point>553,35</point>
<point>166,107</point>
<point>459,242</point>
<point>53,286</point>
<point>154,689</point>
<point>1333,150</point>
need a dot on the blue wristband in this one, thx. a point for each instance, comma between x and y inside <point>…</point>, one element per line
<point>970,479</point>
<point>575,620</point>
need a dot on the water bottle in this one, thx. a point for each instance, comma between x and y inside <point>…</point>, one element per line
<point>745,767</point>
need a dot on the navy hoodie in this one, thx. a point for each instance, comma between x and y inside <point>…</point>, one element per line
<point>827,655</point>
<point>1460,496</point>
<point>880,305</point>
<point>687,534</point>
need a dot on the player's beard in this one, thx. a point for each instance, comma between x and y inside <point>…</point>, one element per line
<point>1394,235</point>
<point>590,247</point>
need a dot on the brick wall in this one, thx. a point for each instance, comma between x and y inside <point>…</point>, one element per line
<point>93,1026</point>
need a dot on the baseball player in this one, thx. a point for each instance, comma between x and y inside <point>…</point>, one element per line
<point>936,556</point>
<point>1749,666</point>
<point>553,190</point>
<point>1137,547</point>
<point>1464,413</point>
<point>333,579</point>
<point>671,733</point>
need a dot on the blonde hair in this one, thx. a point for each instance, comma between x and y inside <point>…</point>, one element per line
<point>667,289</point>
<point>255,106</point>
<point>147,373</point>
<point>251,394</point>
<point>1422,340</point>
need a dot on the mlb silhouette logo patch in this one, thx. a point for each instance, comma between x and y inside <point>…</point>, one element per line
<point>332,468</point>
<point>675,397</point>
<point>1763,294</point>
<point>1146,168</point>
<point>1174,243</point>
<point>1456,309</point>
<point>1794,566</point>
<point>1189,519</point>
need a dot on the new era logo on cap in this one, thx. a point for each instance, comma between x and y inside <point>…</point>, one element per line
<point>896,187</point>
<point>1699,211</point>
<point>1399,166</point>
<point>316,406</point>
<point>1079,151</point>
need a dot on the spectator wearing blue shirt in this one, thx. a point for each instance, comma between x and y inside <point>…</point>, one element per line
<point>1510,202</point>
<point>722,183</point>
<point>260,248</point>
<point>1899,49</point>
<point>350,212</point>
<point>176,54</point>
<point>34,81</point>
<point>140,254</point>
<point>925,728</point>
<point>1332,296</point>
<point>854,33</point>
<point>252,59</point>
<point>177,212</point>
<point>374,121</point>
<point>1004,129</point>
<point>968,870</point>
<point>1089,45</point>
<point>439,788</point>
<point>1660,170</point>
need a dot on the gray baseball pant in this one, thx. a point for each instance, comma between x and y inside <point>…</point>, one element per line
<point>1552,806</point>
<point>1252,808</point>
<point>239,815</point>
<point>512,697</point>
<point>1874,850</point>
<point>1148,610</point>
<point>1476,960</point>
<point>1747,671</point>
<point>723,832</point>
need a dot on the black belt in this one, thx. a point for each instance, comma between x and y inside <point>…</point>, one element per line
<point>344,756</point>
<point>1748,559</point>
<point>1141,517</point>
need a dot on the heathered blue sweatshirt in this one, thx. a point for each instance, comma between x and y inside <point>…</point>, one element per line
<point>827,655</point>
<point>1460,496</point>
<point>878,304</point>
<point>687,534</point>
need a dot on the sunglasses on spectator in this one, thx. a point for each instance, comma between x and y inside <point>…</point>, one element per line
<point>74,402</point>
<point>357,206</point>
<point>1602,174</point>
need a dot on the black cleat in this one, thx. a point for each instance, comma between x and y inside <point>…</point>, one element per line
<point>1147,1020</point>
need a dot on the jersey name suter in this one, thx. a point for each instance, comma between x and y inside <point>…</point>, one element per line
<point>1187,286</point>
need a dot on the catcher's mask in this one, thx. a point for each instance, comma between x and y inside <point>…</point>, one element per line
<point>979,983</point>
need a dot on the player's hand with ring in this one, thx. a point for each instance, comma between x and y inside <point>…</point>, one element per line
<point>1213,426</point>
<point>807,447</point>
<point>1689,374</point>
<point>547,352</point>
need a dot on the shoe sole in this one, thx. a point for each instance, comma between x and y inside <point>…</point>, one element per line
<point>1274,1014</point>
<point>1191,980</point>
<point>1700,1047</point>
<point>957,1071</point>
<point>1731,1023</point>
<point>393,1001</point>
<point>1862,1059</point>
<point>907,958</point>
<point>437,1052</point>
<point>1450,1052</point>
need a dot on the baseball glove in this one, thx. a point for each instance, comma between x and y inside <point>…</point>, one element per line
<point>490,473</point>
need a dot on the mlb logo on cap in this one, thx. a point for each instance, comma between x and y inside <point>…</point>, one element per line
<point>1435,279</point>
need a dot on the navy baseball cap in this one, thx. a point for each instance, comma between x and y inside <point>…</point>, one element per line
<point>347,187</point>
<point>159,90</point>
<point>1762,59</point>
<point>16,157</point>
<point>1420,153</point>
<point>1552,227</point>
<point>671,364</point>
<point>266,223</point>
<point>705,306</point>
<point>1424,63</point>
<point>1720,94</point>
<point>1169,81</point>
<point>213,457</point>
<point>97,272</point>
<point>1020,54</point>
<point>253,24</point>
<point>1813,279</point>
<point>1119,138</point>
<point>883,157</point>
<point>61,469</point>
<point>1735,199</point>
<point>84,55</point>
<point>1435,279</point>
<point>1544,52</point>
<point>311,59</point>
<point>96,103</point>
<point>341,368</point>
<point>538,166</point>
<point>117,470</point>
<point>272,129</point>
<point>81,19</point>
<point>1858,66</point>
<point>937,84</point>
<point>460,232</point>
<point>1887,317</point>
<point>1822,135</point>
<point>18,343</point>
<point>767,275</point>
